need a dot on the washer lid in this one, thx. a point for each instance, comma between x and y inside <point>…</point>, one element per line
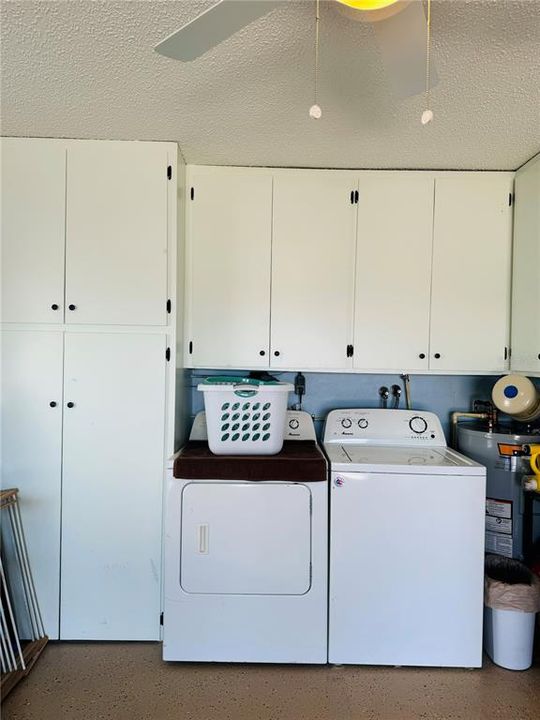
<point>398,459</point>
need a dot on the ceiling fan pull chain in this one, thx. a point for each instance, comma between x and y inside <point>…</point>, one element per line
<point>315,111</point>
<point>427,115</point>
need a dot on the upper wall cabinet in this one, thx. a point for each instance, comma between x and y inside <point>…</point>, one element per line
<point>33,230</point>
<point>84,232</point>
<point>338,270</point>
<point>393,271</point>
<point>470,305</point>
<point>229,225</point>
<point>526,277</point>
<point>116,258</point>
<point>313,250</point>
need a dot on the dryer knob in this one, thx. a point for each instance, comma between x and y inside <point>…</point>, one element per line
<point>346,423</point>
<point>294,424</point>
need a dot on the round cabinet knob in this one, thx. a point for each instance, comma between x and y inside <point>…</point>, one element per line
<point>262,353</point>
<point>277,353</point>
<point>294,424</point>
<point>52,403</point>
<point>422,356</point>
<point>363,423</point>
<point>418,424</point>
<point>70,404</point>
<point>346,423</point>
<point>54,306</point>
<point>437,356</point>
<point>72,307</point>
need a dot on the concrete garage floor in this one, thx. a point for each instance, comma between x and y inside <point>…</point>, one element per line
<point>128,681</point>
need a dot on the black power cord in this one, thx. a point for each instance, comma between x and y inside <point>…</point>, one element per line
<point>299,388</point>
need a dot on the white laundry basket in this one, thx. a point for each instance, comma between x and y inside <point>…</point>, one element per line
<point>245,416</point>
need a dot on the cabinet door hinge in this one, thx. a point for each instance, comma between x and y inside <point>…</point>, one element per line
<point>161,618</point>
<point>350,350</point>
<point>169,172</point>
<point>169,306</point>
<point>191,347</point>
<point>168,354</point>
<point>192,193</point>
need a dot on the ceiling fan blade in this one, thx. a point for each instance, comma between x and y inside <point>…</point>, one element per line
<point>402,42</point>
<point>212,27</point>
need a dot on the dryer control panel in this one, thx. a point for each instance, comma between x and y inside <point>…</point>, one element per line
<point>384,427</point>
<point>298,426</point>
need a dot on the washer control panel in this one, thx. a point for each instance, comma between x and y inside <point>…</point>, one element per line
<point>384,427</point>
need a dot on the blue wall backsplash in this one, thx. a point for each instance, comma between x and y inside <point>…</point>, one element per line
<point>441,394</point>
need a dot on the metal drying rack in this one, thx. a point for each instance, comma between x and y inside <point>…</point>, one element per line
<point>22,635</point>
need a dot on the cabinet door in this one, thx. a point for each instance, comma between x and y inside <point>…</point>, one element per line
<point>470,303</point>
<point>32,453</point>
<point>33,230</point>
<point>313,252</point>
<point>393,271</point>
<point>526,278</point>
<point>112,485</point>
<point>229,242</point>
<point>116,249</point>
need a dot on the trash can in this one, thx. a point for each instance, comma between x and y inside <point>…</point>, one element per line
<point>512,599</point>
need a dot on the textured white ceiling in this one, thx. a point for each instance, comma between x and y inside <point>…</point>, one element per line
<point>86,69</point>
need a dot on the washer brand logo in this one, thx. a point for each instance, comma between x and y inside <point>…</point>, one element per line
<point>339,482</point>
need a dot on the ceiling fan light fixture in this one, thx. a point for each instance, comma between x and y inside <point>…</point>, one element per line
<point>367,4</point>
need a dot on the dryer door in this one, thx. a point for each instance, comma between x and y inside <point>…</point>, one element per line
<point>246,538</point>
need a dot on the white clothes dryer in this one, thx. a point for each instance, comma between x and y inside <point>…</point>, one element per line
<point>246,576</point>
<point>406,542</point>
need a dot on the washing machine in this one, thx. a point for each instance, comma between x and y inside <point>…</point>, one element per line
<point>245,568</point>
<point>406,542</point>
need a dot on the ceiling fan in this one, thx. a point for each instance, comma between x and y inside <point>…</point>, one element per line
<point>399,26</point>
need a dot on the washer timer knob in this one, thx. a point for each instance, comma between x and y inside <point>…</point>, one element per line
<point>346,423</point>
<point>363,423</point>
<point>418,424</point>
<point>294,424</point>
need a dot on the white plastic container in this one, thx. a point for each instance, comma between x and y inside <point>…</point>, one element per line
<point>245,416</point>
<point>509,637</point>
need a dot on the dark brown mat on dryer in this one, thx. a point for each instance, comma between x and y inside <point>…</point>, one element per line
<point>298,461</point>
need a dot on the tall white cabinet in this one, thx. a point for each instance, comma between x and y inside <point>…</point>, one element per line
<point>114,400</point>
<point>88,339</point>
<point>32,400</point>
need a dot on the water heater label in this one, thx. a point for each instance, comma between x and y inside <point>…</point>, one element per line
<point>499,508</point>
<point>498,524</point>
<point>499,544</point>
